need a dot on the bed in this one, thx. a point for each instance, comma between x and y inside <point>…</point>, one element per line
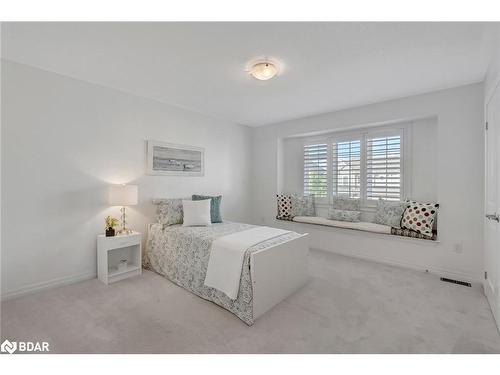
<point>272,270</point>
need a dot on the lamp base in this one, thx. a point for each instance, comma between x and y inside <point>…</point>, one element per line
<point>125,231</point>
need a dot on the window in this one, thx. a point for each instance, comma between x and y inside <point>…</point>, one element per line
<point>316,170</point>
<point>367,165</point>
<point>346,163</point>
<point>383,168</point>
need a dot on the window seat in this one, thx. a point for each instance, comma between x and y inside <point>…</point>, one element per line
<point>362,226</point>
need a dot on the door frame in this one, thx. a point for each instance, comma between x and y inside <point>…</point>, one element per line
<point>489,293</point>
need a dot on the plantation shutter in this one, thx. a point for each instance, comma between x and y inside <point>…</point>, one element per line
<point>383,167</point>
<point>316,169</point>
<point>346,164</point>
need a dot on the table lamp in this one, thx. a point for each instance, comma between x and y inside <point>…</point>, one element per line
<point>123,195</point>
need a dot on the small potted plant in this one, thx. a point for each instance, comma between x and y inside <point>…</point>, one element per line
<point>111,223</point>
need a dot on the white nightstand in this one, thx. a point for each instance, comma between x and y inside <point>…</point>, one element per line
<point>111,250</point>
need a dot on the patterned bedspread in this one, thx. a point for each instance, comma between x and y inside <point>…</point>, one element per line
<point>181,254</point>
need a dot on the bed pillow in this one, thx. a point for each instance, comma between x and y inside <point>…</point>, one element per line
<point>419,217</point>
<point>214,206</point>
<point>284,202</point>
<point>169,211</point>
<point>302,205</point>
<point>344,215</point>
<point>344,203</point>
<point>389,213</point>
<point>196,213</point>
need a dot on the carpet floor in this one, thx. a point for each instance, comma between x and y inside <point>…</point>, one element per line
<point>348,306</point>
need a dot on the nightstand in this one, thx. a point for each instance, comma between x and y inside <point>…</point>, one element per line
<point>112,250</point>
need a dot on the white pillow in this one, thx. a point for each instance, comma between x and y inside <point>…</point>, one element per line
<point>196,213</point>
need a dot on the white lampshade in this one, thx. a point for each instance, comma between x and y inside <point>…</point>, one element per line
<point>123,195</point>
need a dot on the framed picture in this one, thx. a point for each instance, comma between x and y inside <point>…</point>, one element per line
<point>169,159</point>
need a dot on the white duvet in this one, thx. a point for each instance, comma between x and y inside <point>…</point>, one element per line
<point>227,254</point>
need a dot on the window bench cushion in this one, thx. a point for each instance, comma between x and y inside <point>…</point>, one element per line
<point>360,225</point>
<point>363,226</point>
<point>411,233</point>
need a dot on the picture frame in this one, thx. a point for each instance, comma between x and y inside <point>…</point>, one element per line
<point>169,159</point>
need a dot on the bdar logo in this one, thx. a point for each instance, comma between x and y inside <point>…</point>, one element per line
<point>24,346</point>
<point>8,347</point>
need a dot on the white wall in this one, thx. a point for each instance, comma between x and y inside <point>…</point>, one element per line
<point>493,73</point>
<point>459,184</point>
<point>64,141</point>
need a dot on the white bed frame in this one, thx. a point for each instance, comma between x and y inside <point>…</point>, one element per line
<point>277,272</point>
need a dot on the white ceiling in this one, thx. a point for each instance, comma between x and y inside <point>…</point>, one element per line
<point>201,66</point>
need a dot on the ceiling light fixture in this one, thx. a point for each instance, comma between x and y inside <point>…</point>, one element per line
<point>263,70</point>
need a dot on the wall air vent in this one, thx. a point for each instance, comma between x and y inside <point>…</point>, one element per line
<point>464,283</point>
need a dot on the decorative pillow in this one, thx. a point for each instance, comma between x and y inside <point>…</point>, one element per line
<point>284,207</point>
<point>344,215</point>
<point>389,213</point>
<point>419,217</point>
<point>169,211</point>
<point>343,203</point>
<point>302,205</point>
<point>196,213</point>
<point>214,206</point>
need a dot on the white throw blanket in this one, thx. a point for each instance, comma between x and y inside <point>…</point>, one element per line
<point>227,254</point>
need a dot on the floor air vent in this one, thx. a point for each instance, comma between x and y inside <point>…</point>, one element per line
<point>464,283</point>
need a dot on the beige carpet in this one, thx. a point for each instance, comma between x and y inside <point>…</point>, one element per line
<point>348,306</point>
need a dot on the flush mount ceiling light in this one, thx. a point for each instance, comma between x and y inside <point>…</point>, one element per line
<point>263,70</point>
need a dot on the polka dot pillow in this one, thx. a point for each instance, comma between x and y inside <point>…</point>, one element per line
<point>419,217</point>
<point>284,206</point>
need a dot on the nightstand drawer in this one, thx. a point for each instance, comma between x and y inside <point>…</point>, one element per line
<point>107,243</point>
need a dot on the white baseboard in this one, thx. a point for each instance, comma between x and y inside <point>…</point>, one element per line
<point>45,285</point>
<point>441,272</point>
